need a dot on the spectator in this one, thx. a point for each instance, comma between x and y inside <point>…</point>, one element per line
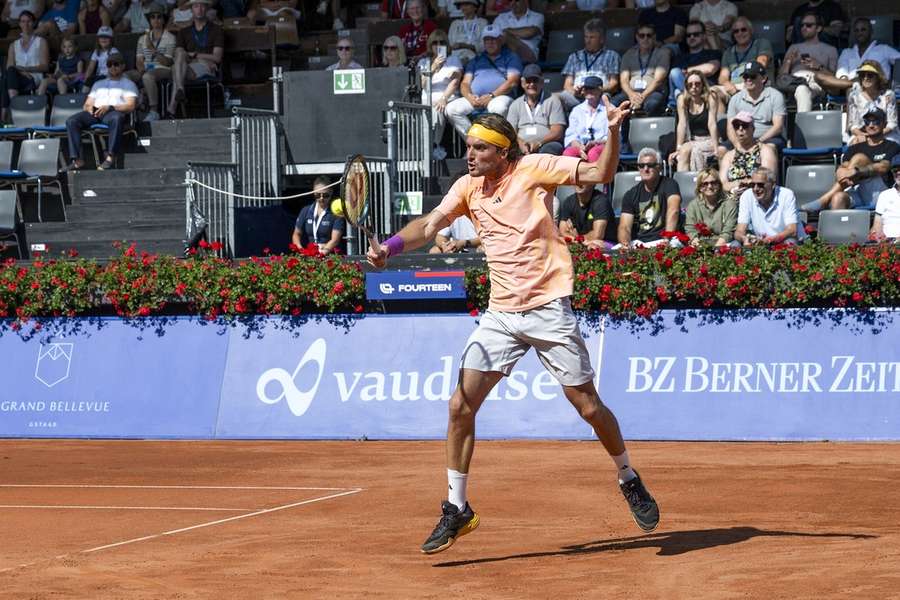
<point>769,211</point>
<point>110,102</point>
<point>697,58</point>
<point>345,56</point>
<point>717,17</point>
<point>712,216</point>
<point>765,104</point>
<point>830,15</point>
<point>747,156</point>
<point>803,60</point>
<point>135,19</point>
<point>60,20</point>
<point>459,236</point>
<point>316,224</point>
<point>69,74</point>
<point>97,69</point>
<point>589,213</point>
<point>199,50</point>
<point>92,17</point>
<point>465,32</point>
<point>181,15</point>
<point>865,49</point>
<point>27,60</point>
<point>393,52</point>
<point>393,9</point>
<point>452,10</point>
<point>669,23</point>
<point>861,178</point>
<point>155,57</point>
<point>643,76</point>
<point>871,89</point>
<point>523,29</point>
<point>445,73</point>
<point>746,48</point>
<point>697,131</point>
<point>13,9</point>
<point>539,119</point>
<point>489,80</point>
<point>494,8</point>
<point>650,208</point>
<point>588,128</point>
<point>274,8</point>
<point>415,33</point>
<point>594,60</point>
<point>887,209</point>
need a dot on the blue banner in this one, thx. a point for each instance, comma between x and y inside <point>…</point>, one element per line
<point>756,375</point>
<point>107,377</point>
<point>415,285</point>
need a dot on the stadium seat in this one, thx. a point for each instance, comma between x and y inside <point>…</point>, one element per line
<point>844,226</point>
<point>645,133</point>
<point>64,106</point>
<point>817,134</point>
<point>560,44</point>
<point>8,211</point>
<point>285,26</point>
<point>553,82</point>
<point>620,39</point>
<point>774,32</point>
<point>687,185</point>
<point>624,181</point>
<point>809,182</point>
<point>39,161</point>
<point>8,176</point>
<point>883,28</point>
<point>28,111</point>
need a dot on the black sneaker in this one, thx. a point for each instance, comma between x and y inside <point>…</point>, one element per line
<point>453,524</point>
<point>643,506</point>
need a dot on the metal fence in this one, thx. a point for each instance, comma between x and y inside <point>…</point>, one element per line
<point>256,140</point>
<point>209,189</point>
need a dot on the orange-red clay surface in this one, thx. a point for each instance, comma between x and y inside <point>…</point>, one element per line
<point>817,520</point>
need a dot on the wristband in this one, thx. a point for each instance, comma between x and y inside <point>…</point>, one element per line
<point>394,245</point>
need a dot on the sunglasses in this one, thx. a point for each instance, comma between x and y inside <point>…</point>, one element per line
<point>115,64</point>
<point>756,185</point>
<point>868,122</point>
<point>391,48</point>
<point>642,166</point>
<point>694,84</point>
<point>710,184</point>
<point>749,76</point>
<point>344,48</point>
<point>741,125</point>
<point>808,25</point>
<point>740,30</point>
<point>695,34</point>
<point>644,36</point>
<point>867,75</point>
<point>322,195</point>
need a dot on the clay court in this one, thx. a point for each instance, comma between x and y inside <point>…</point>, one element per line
<point>129,519</point>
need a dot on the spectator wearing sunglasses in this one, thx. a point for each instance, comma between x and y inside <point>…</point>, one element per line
<point>110,102</point>
<point>465,32</point>
<point>886,224</point>
<point>155,57</point>
<point>717,17</point>
<point>765,104</point>
<point>393,53</point>
<point>767,213</point>
<point>345,56</point>
<point>696,59</point>
<point>643,75</point>
<point>712,217</point>
<point>830,14</point>
<point>651,207</point>
<point>669,23</point>
<point>861,178</point>
<point>746,48</point>
<point>803,61</point>
<point>865,49</point>
<point>747,155</point>
<point>200,48</point>
<point>870,89</point>
<point>316,224</point>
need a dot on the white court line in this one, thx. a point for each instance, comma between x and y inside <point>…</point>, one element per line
<point>346,492</point>
<point>166,487</point>
<point>82,507</point>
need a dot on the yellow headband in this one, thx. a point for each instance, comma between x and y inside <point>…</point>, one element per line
<point>489,135</point>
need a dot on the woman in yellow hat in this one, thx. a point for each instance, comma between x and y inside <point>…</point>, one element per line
<point>871,87</point>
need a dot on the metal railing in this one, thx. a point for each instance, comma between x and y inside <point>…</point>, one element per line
<point>409,143</point>
<point>381,193</point>
<point>256,138</point>
<point>209,189</point>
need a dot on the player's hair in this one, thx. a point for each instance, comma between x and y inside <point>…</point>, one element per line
<point>500,125</point>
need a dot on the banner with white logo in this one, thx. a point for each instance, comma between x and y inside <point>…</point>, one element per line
<point>106,377</point>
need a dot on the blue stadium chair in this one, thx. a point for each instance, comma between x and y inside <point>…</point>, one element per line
<point>818,134</point>
<point>560,44</point>
<point>28,111</point>
<point>64,106</point>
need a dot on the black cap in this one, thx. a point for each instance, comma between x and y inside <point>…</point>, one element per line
<point>592,82</point>
<point>753,68</point>
<point>874,111</point>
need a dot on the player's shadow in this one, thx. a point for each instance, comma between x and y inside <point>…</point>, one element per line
<point>670,543</point>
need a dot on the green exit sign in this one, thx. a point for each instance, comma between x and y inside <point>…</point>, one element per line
<point>350,81</point>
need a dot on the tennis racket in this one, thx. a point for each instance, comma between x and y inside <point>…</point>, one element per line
<point>355,198</point>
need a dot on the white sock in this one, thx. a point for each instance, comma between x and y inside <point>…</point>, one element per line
<point>456,492</point>
<point>626,473</point>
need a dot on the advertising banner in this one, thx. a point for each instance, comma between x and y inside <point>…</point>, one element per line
<point>106,377</point>
<point>415,285</point>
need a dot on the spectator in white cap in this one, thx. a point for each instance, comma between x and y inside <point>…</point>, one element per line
<point>465,32</point>
<point>96,69</point>
<point>93,17</point>
<point>523,28</point>
<point>538,118</point>
<point>199,50</point>
<point>489,80</point>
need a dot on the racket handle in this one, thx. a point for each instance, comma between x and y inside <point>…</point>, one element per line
<point>373,242</point>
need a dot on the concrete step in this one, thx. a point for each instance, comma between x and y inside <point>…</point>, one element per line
<point>190,127</point>
<point>196,145</point>
<point>138,193</point>
<point>54,232</point>
<point>166,211</point>
<point>124,179</point>
<point>150,160</point>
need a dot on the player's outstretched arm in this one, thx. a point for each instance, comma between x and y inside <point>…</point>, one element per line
<point>604,168</point>
<point>415,235</point>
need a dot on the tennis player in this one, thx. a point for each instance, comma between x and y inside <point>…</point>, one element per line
<point>508,197</point>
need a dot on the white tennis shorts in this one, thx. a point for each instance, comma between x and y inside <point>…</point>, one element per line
<point>502,338</point>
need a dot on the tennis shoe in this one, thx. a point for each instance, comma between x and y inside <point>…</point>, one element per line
<point>453,525</point>
<point>643,507</point>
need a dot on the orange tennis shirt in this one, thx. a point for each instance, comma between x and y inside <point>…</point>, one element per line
<point>528,259</point>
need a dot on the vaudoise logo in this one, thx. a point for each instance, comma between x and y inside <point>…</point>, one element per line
<point>297,400</point>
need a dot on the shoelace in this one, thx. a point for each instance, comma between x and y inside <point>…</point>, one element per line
<point>634,496</point>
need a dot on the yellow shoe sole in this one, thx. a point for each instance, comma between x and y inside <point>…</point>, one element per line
<point>469,527</point>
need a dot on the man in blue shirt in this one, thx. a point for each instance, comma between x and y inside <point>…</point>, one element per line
<point>488,83</point>
<point>770,211</point>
